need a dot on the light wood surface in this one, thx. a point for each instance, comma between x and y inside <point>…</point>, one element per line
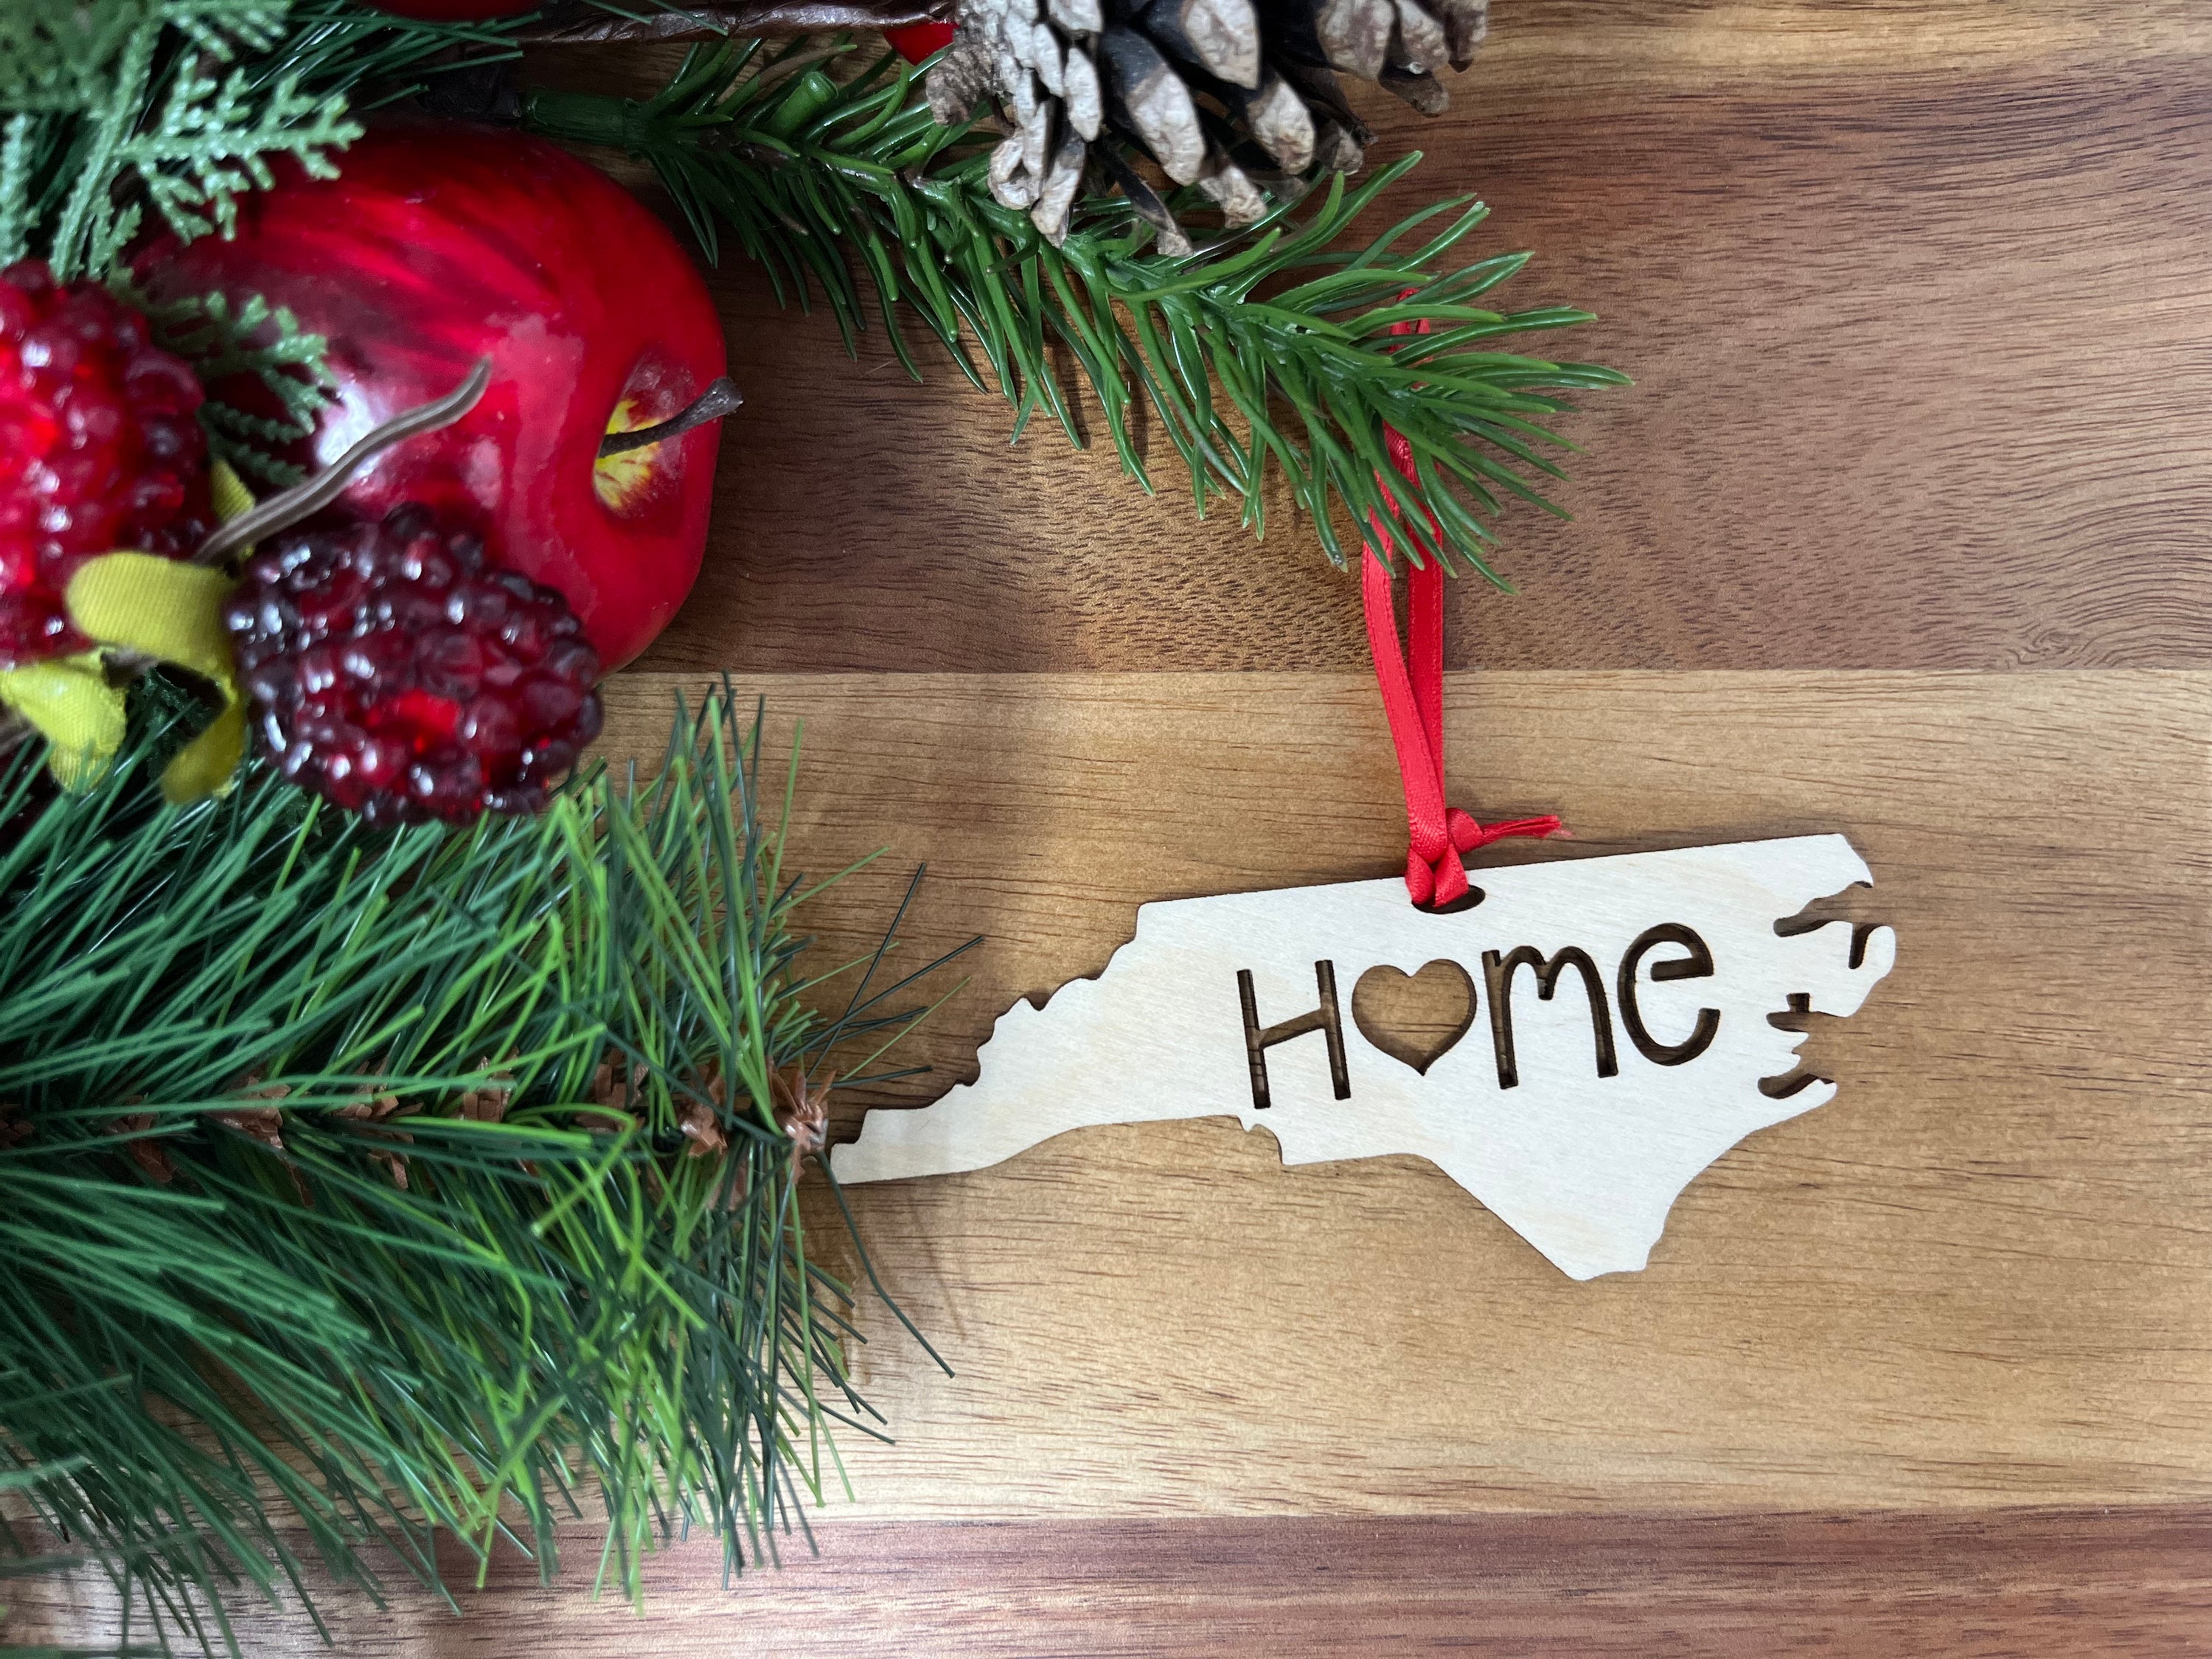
<point>1905,531</point>
<point>1915,294</point>
<point>1980,1277</point>
<point>1566,1115</point>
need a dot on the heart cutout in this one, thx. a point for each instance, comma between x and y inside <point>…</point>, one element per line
<point>1415,1018</point>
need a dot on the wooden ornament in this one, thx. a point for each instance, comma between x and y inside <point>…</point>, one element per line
<point>1597,1032</point>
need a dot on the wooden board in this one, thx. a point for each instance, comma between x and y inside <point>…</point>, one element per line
<point>1915,291</point>
<point>2042,1581</point>
<point>1978,1278</point>
<point>1905,531</point>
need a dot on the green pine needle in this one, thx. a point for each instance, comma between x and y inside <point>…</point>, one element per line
<point>371,1308</point>
<point>1270,350</point>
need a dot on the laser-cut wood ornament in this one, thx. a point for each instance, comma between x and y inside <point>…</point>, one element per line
<point>1613,1040</point>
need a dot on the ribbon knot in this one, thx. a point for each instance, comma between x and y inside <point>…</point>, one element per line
<point>1411,676</point>
<point>1411,682</point>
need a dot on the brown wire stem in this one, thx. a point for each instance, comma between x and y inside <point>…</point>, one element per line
<point>291,506</point>
<point>720,398</point>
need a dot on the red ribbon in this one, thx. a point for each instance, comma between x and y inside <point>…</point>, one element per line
<point>918,41</point>
<point>1411,675</point>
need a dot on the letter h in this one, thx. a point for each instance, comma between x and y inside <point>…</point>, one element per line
<point>1258,1039</point>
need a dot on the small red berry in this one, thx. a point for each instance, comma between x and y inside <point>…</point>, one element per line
<point>394,673</point>
<point>101,448</point>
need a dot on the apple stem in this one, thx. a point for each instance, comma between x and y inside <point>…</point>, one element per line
<point>288,507</point>
<point>720,398</point>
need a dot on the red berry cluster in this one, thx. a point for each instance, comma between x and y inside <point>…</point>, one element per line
<point>101,448</point>
<point>394,673</point>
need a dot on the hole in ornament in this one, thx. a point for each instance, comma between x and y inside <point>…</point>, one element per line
<point>1466,901</point>
<point>1259,1038</point>
<point>1790,1083</point>
<point>1830,907</point>
<point>1797,1016</point>
<point>1415,1018</point>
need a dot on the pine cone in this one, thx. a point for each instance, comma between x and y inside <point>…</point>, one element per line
<point>1229,95</point>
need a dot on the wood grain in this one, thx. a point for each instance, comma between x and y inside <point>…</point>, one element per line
<point>1915,296</point>
<point>1978,1277</point>
<point>1990,1586</point>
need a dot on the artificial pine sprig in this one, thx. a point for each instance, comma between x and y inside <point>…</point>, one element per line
<point>412,1183</point>
<point>109,109</point>
<point>1272,347</point>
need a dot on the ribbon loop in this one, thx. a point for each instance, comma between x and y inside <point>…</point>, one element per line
<point>1413,687</point>
<point>1411,675</point>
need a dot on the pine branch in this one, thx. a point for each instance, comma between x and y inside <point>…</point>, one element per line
<point>1270,350</point>
<point>453,1155</point>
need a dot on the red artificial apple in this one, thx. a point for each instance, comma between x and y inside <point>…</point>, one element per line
<point>439,244</point>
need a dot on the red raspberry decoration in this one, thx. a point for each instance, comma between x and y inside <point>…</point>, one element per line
<point>395,675</point>
<point>101,448</point>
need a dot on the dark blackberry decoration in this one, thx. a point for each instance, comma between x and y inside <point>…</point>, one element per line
<point>101,448</point>
<point>394,674</point>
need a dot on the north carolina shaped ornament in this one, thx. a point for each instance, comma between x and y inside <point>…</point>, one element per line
<point>1616,1037</point>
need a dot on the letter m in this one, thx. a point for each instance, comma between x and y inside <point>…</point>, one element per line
<point>1498,973</point>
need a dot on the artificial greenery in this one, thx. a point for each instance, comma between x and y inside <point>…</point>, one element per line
<point>106,109</point>
<point>110,109</point>
<point>228,341</point>
<point>382,1187</point>
<point>372,1188</point>
<point>1278,347</point>
<point>1281,346</point>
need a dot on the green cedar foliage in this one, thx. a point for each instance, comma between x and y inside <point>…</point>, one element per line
<point>378,1186</point>
<point>107,109</point>
<point>123,116</point>
<point>264,346</point>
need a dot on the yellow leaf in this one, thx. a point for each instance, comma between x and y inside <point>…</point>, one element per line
<point>69,702</point>
<point>173,611</point>
<point>204,767</point>
<point>232,498</point>
<point>159,607</point>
